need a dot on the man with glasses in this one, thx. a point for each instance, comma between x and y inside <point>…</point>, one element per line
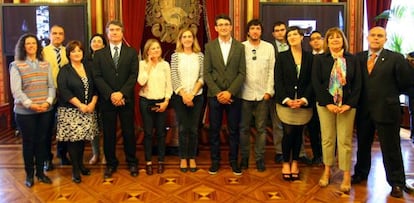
<point>256,92</point>
<point>316,42</point>
<point>224,74</point>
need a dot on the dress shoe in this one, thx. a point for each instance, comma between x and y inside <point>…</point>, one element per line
<point>278,158</point>
<point>148,169</point>
<point>109,171</point>
<point>260,165</point>
<point>193,170</point>
<point>29,182</point>
<point>44,179</point>
<point>356,179</point>
<point>235,168</point>
<point>65,161</point>
<point>94,160</point>
<point>76,179</point>
<point>133,171</point>
<point>214,168</point>
<point>48,165</point>
<point>85,171</point>
<point>244,164</point>
<point>160,168</point>
<point>396,191</point>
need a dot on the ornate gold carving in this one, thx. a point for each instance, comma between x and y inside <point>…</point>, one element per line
<point>167,17</point>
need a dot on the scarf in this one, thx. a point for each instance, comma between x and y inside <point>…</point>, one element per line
<point>338,77</point>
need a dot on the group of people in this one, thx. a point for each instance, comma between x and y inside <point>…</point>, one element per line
<point>325,91</point>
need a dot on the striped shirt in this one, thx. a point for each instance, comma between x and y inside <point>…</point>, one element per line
<point>186,71</point>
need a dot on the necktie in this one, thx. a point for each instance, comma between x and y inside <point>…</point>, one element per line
<point>371,62</point>
<point>116,56</point>
<point>58,57</point>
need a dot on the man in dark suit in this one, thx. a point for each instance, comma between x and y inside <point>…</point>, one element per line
<point>115,74</point>
<point>379,109</point>
<point>224,74</point>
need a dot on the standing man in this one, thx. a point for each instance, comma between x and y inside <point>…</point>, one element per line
<point>115,75</point>
<point>316,42</point>
<point>55,54</point>
<point>257,90</point>
<point>384,75</point>
<point>280,45</point>
<point>224,74</point>
<point>314,128</point>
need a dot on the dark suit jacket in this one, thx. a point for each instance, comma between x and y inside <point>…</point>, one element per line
<point>381,89</point>
<point>70,85</point>
<point>220,77</point>
<point>287,84</point>
<point>109,79</point>
<point>321,72</point>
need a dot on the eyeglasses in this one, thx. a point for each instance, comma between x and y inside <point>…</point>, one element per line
<point>254,55</point>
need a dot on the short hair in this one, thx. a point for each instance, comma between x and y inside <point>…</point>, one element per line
<point>333,31</point>
<point>179,46</point>
<point>315,32</point>
<point>70,46</point>
<point>222,16</point>
<point>57,25</point>
<point>148,45</point>
<point>20,51</point>
<point>291,29</point>
<point>278,23</point>
<point>114,22</point>
<point>254,22</point>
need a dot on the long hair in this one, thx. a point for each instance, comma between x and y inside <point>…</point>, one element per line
<point>179,46</point>
<point>147,46</point>
<point>20,51</point>
<point>332,31</point>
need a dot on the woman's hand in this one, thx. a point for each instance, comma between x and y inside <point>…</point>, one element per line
<point>343,108</point>
<point>163,106</point>
<point>332,108</point>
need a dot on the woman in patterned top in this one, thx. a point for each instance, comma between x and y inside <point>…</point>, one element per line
<point>77,119</point>
<point>187,81</point>
<point>33,91</point>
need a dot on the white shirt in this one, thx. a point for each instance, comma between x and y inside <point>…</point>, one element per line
<point>259,72</point>
<point>156,83</point>
<point>281,46</point>
<point>225,49</point>
<point>112,46</point>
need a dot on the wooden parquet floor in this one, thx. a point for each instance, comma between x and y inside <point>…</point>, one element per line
<point>175,186</point>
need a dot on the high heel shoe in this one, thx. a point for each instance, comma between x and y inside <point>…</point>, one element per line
<point>345,186</point>
<point>287,176</point>
<point>295,176</point>
<point>324,181</point>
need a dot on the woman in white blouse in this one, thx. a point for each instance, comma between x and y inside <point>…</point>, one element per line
<point>155,78</point>
<point>187,81</point>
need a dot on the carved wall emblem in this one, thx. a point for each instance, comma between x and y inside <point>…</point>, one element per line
<point>167,17</point>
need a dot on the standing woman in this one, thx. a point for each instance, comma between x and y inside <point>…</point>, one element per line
<point>77,118</point>
<point>155,78</point>
<point>336,79</point>
<point>97,42</point>
<point>294,96</point>
<point>33,91</point>
<point>187,82</point>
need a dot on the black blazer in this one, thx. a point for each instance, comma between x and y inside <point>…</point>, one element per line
<point>70,85</point>
<point>321,72</point>
<point>109,79</point>
<point>381,89</point>
<point>287,84</point>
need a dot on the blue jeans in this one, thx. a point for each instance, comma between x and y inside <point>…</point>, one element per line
<point>151,119</point>
<point>258,110</point>
<point>233,112</point>
<point>188,123</point>
<point>34,129</point>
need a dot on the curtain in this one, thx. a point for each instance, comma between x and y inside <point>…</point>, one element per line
<point>133,17</point>
<point>213,8</point>
<point>374,8</point>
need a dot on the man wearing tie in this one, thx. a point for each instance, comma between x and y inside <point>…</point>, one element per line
<point>115,70</point>
<point>384,74</point>
<point>55,54</point>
